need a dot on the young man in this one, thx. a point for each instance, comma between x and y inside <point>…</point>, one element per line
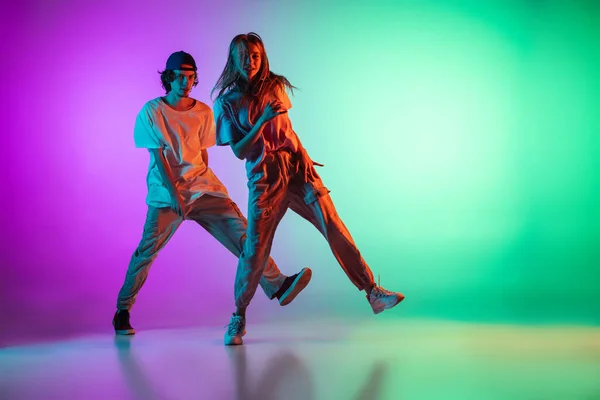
<point>177,130</point>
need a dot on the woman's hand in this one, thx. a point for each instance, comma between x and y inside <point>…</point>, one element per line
<point>272,110</point>
<point>307,166</point>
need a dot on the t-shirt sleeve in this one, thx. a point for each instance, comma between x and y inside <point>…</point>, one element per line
<point>208,134</point>
<point>225,129</point>
<point>283,97</point>
<point>144,134</point>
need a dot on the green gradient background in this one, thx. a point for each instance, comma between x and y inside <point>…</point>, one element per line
<point>461,147</point>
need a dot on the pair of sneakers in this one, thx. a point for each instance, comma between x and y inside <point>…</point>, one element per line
<point>287,293</point>
<point>379,298</point>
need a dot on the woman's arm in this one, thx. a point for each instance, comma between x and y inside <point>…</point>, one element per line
<point>241,147</point>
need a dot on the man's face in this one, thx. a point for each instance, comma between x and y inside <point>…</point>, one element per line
<point>183,82</point>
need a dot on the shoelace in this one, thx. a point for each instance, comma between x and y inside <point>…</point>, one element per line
<point>234,326</point>
<point>378,291</point>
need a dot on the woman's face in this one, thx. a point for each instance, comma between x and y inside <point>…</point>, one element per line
<point>249,64</point>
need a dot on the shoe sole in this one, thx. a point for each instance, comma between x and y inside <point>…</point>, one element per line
<point>236,344</point>
<point>125,332</point>
<point>381,309</point>
<point>296,287</point>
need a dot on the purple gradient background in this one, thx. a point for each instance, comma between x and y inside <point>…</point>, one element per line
<point>79,74</point>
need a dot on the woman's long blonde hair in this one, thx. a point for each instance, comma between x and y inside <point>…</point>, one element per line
<point>254,92</point>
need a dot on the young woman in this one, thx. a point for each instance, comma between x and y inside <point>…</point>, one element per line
<point>251,117</point>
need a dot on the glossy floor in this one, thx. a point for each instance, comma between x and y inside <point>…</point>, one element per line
<point>333,359</point>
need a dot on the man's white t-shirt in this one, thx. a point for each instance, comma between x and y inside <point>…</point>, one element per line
<point>181,135</point>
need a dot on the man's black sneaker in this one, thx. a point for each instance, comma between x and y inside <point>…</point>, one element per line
<point>121,323</point>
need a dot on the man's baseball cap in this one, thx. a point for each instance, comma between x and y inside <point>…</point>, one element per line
<point>178,58</point>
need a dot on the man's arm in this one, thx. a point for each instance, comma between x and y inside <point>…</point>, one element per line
<point>167,177</point>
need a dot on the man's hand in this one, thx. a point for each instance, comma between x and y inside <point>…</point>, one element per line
<point>177,205</point>
<point>167,176</point>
